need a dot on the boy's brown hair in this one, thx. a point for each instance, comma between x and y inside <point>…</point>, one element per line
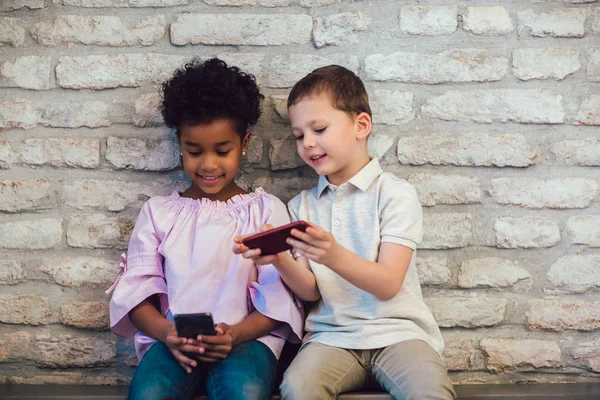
<point>346,90</point>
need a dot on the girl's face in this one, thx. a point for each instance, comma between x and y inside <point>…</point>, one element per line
<point>211,158</point>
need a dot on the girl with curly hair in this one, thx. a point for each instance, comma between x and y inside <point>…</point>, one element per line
<point>180,260</point>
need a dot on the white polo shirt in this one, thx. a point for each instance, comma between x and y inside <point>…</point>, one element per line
<point>371,208</point>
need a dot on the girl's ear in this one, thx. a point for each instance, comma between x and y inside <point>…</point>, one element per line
<point>246,142</point>
<point>363,125</point>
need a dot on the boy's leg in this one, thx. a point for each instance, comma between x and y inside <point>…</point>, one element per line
<point>321,372</point>
<point>412,370</point>
<point>160,377</point>
<point>247,374</point>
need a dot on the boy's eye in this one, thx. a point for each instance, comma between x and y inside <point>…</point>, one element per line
<point>299,137</point>
<point>320,130</point>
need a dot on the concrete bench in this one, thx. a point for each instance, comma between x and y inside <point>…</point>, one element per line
<point>566,391</point>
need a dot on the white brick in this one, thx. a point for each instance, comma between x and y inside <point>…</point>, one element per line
<point>32,310</point>
<point>492,272</point>
<point>12,32</point>
<point>241,29</point>
<point>247,62</point>
<point>596,22</point>
<point>283,154</point>
<point>88,315</point>
<point>446,230</point>
<point>71,378</point>
<point>585,230</point>
<point>588,355</point>
<point>17,113</point>
<point>498,105</point>
<point>15,347</point>
<point>31,235</point>
<point>526,232</point>
<point>242,3</point>
<point>338,29</point>
<point>446,189</point>
<point>7,156</point>
<point>11,272</point>
<point>589,113</point>
<point>562,314</point>
<point>392,107</point>
<point>142,154</point>
<point>30,195</point>
<point>465,65</point>
<point>67,351</point>
<point>284,188</point>
<point>286,70</point>
<point>80,271</point>
<point>147,112</point>
<point>99,31</point>
<point>457,354</point>
<point>545,63</point>
<point>115,70</point>
<point>62,152</point>
<point>559,193</point>
<point>28,72</point>
<point>578,152</point>
<point>429,20</point>
<point>507,354</point>
<point>9,5</point>
<point>433,270</point>
<point>114,195</point>
<point>593,65</point>
<point>317,3</point>
<point>467,149</point>
<point>279,102</point>
<point>576,273</point>
<point>488,21</point>
<point>121,3</point>
<point>466,311</point>
<point>254,152</point>
<point>560,22</point>
<point>70,114</point>
<point>96,231</point>
<point>379,144</point>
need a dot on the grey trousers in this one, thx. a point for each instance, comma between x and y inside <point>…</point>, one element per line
<point>410,370</point>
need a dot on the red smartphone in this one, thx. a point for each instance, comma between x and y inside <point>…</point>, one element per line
<point>273,241</point>
<point>192,325</point>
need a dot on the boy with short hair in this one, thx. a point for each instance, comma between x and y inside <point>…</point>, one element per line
<point>356,260</point>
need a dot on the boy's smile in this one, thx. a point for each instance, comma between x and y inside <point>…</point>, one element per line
<point>329,140</point>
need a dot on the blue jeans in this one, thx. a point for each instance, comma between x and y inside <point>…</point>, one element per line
<point>247,374</point>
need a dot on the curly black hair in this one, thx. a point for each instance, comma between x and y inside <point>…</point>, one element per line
<point>203,91</point>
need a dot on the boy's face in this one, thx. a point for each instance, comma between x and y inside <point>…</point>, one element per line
<point>211,157</point>
<point>328,139</point>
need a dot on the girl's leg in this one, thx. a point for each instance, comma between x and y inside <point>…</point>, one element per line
<point>247,374</point>
<point>160,377</point>
<point>412,370</point>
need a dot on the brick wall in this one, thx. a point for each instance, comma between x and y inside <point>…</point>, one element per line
<point>491,109</point>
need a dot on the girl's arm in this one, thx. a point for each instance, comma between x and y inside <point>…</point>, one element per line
<point>296,274</point>
<point>252,327</point>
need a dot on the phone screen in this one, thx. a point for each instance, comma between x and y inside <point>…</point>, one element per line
<point>192,325</point>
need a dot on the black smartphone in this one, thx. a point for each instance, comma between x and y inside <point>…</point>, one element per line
<point>192,325</point>
<point>273,241</point>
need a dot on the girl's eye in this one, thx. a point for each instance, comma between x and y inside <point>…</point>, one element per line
<point>194,153</point>
<point>223,153</point>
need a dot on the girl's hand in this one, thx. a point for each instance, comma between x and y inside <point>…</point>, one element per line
<point>178,345</point>
<point>254,254</point>
<point>316,244</point>
<point>217,347</point>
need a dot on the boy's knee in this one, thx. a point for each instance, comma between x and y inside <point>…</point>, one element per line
<point>303,386</point>
<point>421,389</point>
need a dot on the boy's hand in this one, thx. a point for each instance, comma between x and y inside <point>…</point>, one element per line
<point>254,254</point>
<point>316,244</point>
<point>178,345</point>
<point>217,347</point>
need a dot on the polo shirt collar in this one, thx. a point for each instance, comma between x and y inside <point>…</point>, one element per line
<point>362,180</point>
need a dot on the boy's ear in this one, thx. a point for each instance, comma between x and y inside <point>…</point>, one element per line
<point>246,141</point>
<point>362,123</point>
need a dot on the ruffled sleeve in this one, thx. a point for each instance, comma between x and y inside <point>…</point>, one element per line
<point>142,275</point>
<point>269,295</point>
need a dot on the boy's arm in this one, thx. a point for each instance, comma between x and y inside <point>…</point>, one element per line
<point>383,279</point>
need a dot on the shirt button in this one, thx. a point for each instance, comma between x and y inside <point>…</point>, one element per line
<point>338,204</point>
<point>336,223</point>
